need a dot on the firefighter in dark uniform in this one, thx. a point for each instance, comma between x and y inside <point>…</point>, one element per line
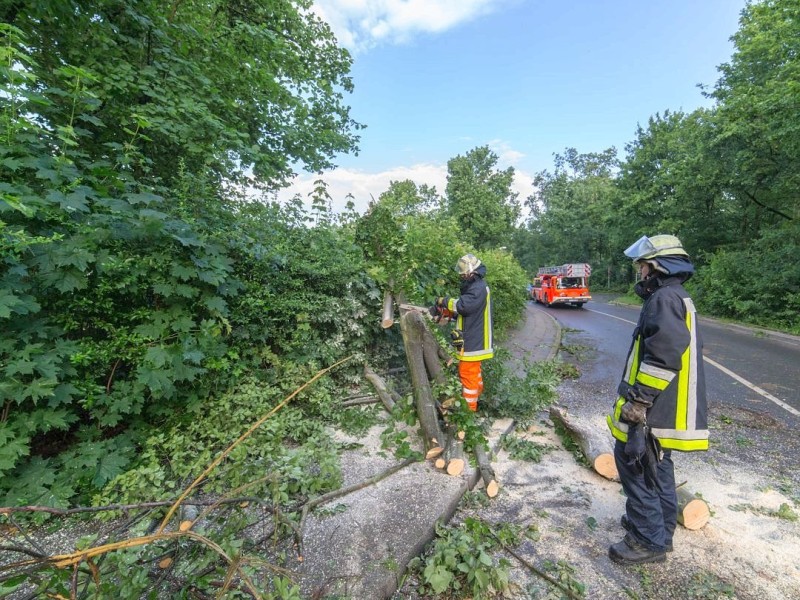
<point>662,391</point>
<point>472,336</point>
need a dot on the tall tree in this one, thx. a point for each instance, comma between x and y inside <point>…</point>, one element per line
<point>759,104</point>
<point>573,208</point>
<point>231,86</point>
<point>673,181</point>
<point>480,199</point>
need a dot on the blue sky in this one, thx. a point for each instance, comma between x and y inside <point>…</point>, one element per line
<point>436,78</point>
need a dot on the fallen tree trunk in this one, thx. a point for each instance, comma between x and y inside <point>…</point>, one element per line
<point>380,386</point>
<point>486,471</point>
<point>693,512</point>
<point>444,355</point>
<point>412,327</point>
<point>594,445</point>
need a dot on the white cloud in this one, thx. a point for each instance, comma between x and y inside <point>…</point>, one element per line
<point>362,24</point>
<point>364,186</point>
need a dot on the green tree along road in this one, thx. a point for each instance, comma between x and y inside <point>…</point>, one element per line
<point>151,309</point>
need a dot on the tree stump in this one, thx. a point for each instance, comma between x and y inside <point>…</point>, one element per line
<point>594,445</point>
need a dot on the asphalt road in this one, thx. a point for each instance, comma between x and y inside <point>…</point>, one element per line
<point>745,368</point>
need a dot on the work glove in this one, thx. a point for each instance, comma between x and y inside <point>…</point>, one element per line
<point>634,411</point>
<point>456,339</point>
<point>441,302</point>
<point>435,311</point>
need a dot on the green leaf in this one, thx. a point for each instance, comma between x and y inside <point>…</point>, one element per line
<point>21,366</point>
<point>216,305</point>
<point>157,356</point>
<point>110,466</point>
<point>439,579</point>
<point>13,446</point>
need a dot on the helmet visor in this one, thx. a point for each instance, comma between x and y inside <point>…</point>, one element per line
<point>641,248</point>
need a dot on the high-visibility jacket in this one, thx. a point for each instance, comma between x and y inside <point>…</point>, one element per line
<point>665,367</point>
<point>474,317</point>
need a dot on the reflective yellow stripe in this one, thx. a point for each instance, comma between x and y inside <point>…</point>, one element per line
<point>651,381</point>
<point>682,401</point>
<point>633,362</point>
<point>684,445</point>
<point>487,321</point>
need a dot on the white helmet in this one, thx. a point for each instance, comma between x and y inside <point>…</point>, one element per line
<point>467,264</point>
<point>646,248</point>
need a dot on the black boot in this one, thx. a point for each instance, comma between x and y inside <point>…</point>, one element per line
<point>631,552</point>
<point>626,525</point>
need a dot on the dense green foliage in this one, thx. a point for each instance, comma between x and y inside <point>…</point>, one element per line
<point>136,280</point>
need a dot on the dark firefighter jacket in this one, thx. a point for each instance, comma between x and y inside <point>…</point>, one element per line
<point>474,317</point>
<point>665,367</point>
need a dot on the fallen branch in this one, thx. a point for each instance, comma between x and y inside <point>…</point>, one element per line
<point>595,446</point>
<point>121,507</point>
<point>533,569</point>
<point>240,439</point>
<point>314,502</point>
<point>360,401</point>
<point>486,471</point>
<point>388,316</point>
<point>380,387</point>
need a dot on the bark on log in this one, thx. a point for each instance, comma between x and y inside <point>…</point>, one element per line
<point>693,512</point>
<point>486,471</point>
<point>380,387</point>
<point>388,310</point>
<point>594,444</point>
<point>444,355</point>
<point>359,401</point>
<point>412,326</point>
<point>430,352</point>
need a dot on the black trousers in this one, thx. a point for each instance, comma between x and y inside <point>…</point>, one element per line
<point>653,514</point>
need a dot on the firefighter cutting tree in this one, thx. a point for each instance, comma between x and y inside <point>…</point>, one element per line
<point>562,284</point>
<point>472,336</point>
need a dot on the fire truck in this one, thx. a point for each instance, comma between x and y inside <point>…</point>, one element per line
<point>562,284</point>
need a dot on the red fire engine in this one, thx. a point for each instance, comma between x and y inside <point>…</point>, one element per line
<point>562,284</point>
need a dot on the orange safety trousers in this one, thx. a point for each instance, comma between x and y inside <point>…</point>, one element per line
<point>471,382</point>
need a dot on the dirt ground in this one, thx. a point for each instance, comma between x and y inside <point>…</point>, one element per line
<point>750,548</point>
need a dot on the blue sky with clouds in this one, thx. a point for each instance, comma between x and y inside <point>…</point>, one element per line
<point>529,78</point>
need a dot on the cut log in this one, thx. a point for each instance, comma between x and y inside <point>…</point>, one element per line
<point>412,326</point>
<point>380,387</point>
<point>594,444</point>
<point>486,471</point>
<point>388,310</point>
<point>693,512</point>
<point>455,457</point>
